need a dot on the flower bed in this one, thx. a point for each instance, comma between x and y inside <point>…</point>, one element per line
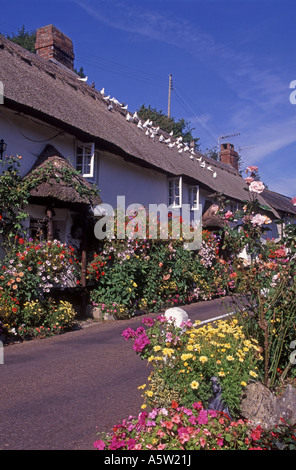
<point>151,275</point>
<point>192,428</point>
<point>185,359</point>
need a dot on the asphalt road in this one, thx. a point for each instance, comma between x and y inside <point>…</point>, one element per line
<point>57,393</point>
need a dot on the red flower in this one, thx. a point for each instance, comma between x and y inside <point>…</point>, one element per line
<point>256,434</point>
<point>21,241</point>
<point>174,404</point>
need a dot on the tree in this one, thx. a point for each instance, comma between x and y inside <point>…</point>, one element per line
<point>80,72</point>
<point>25,39</point>
<point>168,124</point>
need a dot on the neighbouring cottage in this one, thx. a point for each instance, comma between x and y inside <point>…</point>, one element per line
<point>51,117</point>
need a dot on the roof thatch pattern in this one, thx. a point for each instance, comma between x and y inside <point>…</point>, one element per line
<point>280,202</point>
<point>49,91</point>
<point>55,178</point>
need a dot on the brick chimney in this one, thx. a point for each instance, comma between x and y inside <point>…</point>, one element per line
<point>53,44</point>
<point>228,155</point>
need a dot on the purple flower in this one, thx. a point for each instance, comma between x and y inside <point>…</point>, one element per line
<point>128,333</point>
<point>140,343</point>
<point>148,321</point>
<point>203,417</point>
<point>100,445</point>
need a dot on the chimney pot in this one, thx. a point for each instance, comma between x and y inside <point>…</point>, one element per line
<point>51,43</point>
<point>228,155</point>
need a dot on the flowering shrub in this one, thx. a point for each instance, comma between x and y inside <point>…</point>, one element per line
<point>14,194</point>
<point>45,319</point>
<point>151,275</point>
<point>184,428</point>
<point>34,267</point>
<point>29,273</point>
<point>185,359</point>
<point>267,280</point>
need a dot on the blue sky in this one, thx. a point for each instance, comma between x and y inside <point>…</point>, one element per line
<point>231,62</point>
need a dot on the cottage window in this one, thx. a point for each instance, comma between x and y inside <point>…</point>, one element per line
<point>193,197</point>
<point>175,192</point>
<point>85,156</point>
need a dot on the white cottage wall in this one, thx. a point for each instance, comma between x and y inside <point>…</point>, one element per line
<point>27,137</point>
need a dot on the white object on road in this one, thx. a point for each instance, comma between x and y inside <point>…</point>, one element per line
<point>176,315</point>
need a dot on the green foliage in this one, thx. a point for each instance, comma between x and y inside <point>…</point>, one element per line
<point>40,319</point>
<point>23,38</point>
<point>80,72</point>
<point>150,275</point>
<point>13,197</point>
<point>179,128</point>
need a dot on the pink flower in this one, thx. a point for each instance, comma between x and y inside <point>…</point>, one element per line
<point>258,219</point>
<point>168,424</point>
<point>176,419</point>
<point>100,445</point>
<point>203,417</point>
<point>256,187</point>
<point>249,179</point>
<point>293,200</point>
<point>228,215</point>
<point>202,441</point>
<point>220,441</point>
<point>161,446</point>
<point>252,168</point>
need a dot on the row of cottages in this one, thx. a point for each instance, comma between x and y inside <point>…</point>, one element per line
<point>53,119</point>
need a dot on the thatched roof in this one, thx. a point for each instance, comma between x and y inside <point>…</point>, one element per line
<point>280,202</point>
<point>48,91</point>
<point>55,178</point>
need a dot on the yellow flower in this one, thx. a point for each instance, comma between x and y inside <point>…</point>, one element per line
<point>203,359</point>
<point>157,348</point>
<point>230,358</point>
<point>185,357</point>
<point>221,373</point>
<point>167,351</point>
<point>141,387</point>
<point>243,384</point>
<point>194,385</point>
<point>135,285</point>
<point>149,393</point>
<point>253,374</point>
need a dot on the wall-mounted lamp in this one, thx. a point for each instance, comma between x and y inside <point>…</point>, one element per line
<point>3,146</point>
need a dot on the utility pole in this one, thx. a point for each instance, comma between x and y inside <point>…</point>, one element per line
<point>169,100</point>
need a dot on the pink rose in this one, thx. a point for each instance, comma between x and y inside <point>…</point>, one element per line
<point>228,215</point>
<point>252,168</point>
<point>256,187</point>
<point>258,219</point>
<point>249,179</point>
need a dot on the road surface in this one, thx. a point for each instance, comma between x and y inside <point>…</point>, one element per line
<point>58,392</point>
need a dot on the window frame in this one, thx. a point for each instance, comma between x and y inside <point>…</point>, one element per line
<point>175,184</point>
<point>192,201</point>
<point>84,165</point>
